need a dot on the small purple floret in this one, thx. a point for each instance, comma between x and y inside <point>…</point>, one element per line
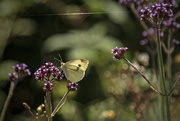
<point>72,86</point>
<point>119,53</point>
<point>13,76</point>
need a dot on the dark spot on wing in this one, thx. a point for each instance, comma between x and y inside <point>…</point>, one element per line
<point>79,65</point>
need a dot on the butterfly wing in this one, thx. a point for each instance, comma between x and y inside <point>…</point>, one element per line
<point>74,70</point>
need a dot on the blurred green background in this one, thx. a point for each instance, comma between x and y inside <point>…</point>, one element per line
<point>36,31</point>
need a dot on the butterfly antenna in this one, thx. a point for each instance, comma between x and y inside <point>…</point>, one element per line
<point>57,59</point>
<point>60,58</point>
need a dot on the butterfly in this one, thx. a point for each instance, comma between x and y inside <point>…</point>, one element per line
<point>74,70</point>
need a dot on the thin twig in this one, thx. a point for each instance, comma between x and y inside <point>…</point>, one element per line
<point>60,102</point>
<point>151,85</point>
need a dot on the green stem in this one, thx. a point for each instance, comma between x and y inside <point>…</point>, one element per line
<point>143,24</point>
<point>150,84</point>
<point>169,61</point>
<point>48,98</point>
<point>60,103</point>
<point>174,86</point>
<point>165,102</point>
<point>12,86</point>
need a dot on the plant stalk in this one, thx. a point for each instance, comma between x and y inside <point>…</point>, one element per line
<point>169,61</point>
<point>48,98</point>
<point>60,103</point>
<point>10,94</point>
<point>150,84</point>
<point>164,100</point>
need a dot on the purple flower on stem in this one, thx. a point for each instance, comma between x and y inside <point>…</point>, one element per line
<point>119,53</point>
<point>48,70</point>
<point>72,86</point>
<point>144,42</point>
<point>123,50</point>
<point>114,50</point>
<point>150,33</point>
<point>13,76</point>
<point>22,69</point>
<point>176,42</point>
<point>48,64</point>
<point>157,11</point>
<point>172,2</point>
<point>172,24</point>
<point>47,86</point>
<point>58,76</point>
<point>48,73</point>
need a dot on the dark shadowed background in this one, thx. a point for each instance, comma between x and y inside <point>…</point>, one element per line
<point>36,31</point>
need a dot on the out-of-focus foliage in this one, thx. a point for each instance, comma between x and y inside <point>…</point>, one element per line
<point>36,31</point>
<point>87,44</point>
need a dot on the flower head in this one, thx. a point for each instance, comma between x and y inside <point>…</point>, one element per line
<point>22,69</point>
<point>156,11</point>
<point>47,86</point>
<point>119,53</point>
<point>48,70</point>
<point>144,42</point>
<point>176,42</point>
<point>171,24</point>
<point>140,4</point>
<point>150,32</point>
<point>13,76</point>
<point>114,50</point>
<point>72,86</point>
<point>172,2</point>
<point>123,50</point>
<point>48,73</point>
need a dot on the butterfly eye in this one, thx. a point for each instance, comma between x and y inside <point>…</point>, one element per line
<point>62,64</point>
<point>79,65</point>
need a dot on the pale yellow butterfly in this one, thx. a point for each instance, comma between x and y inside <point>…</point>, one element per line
<point>74,70</point>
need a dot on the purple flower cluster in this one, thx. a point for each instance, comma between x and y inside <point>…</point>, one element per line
<point>48,73</point>
<point>21,70</point>
<point>13,76</point>
<point>149,34</point>
<point>44,72</point>
<point>172,24</point>
<point>144,42</point>
<point>47,86</point>
<point>119,53</point>
<point>72,86</point>
<point>176,42</point>
<point>172,2</point>
<point>157,11</point>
